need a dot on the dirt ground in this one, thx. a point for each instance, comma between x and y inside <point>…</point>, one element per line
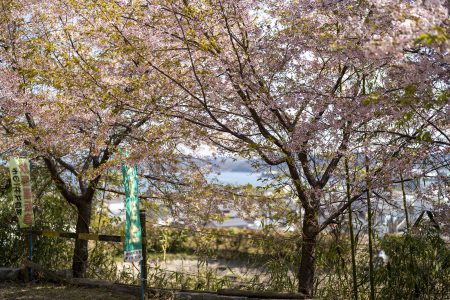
<point>54,292</point>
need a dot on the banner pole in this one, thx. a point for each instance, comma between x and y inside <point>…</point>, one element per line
<point>30,236</point>
<point>144,254</point>
<point>30,252</point>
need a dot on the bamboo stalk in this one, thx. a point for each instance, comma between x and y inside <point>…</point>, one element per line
<point>370,230</point>
<point>405,207</point>
<point>352,237</point>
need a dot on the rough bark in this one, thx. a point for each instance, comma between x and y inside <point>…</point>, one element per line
<point>80,254</point>
<point>306,270</point>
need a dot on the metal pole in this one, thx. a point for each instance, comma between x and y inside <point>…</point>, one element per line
<point>350,224</point>
<point>144,254</point>
<point>30,237</point>
<point>30,252</point>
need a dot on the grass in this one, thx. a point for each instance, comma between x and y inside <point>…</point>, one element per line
<point>169,256</point>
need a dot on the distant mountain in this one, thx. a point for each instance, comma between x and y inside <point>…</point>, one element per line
<point>228,164</point>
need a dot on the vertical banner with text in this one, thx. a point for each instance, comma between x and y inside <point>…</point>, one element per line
<point>133,234</point>
<point>19,168</point>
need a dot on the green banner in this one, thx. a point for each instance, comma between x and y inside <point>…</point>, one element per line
<point>19,168</point>
<point>133,234</point>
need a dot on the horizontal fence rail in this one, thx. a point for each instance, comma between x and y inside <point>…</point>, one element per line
<point>79,236</point>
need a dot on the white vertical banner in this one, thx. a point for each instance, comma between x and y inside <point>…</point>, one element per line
<point>19,169</point>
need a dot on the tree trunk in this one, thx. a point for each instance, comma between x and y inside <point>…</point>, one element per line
<point>306,270</point>
<point>80,254</point>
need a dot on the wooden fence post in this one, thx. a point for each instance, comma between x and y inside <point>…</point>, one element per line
<point>144,254</point>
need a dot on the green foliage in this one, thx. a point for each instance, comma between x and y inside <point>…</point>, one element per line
<point>333,259</point>
<point>102,264</point>
<point>13,241</point>
<point>49,211</point>
<point>206,278</point>
<point>418,267</point>
<point>440,36</point>
<point>274,255</point>
<point>372,98</point>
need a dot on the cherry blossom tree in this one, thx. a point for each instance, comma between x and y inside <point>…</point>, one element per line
<point>71,98</point>
<point>63,94</point>
<point>297,84</point>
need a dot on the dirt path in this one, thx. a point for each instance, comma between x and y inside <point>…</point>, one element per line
<point>54,292</point>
